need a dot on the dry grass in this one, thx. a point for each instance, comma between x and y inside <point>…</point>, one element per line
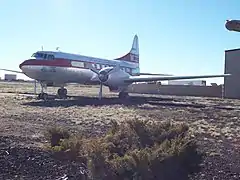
<point>215,124</point>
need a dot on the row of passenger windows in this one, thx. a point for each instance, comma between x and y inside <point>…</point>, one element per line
<point>97,66</point>
<point>100,66</point>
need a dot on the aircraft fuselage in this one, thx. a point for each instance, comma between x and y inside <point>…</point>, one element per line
<point>62,68</point>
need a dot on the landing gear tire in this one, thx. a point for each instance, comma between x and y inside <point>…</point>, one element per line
<point>123,95</point>
<point>62,93</point>
<point>43,96</point>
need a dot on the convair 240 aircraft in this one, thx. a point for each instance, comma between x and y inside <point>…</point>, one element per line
<point>60,68</point>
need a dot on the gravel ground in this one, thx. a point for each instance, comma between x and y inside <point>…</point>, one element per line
<point>215,123</point>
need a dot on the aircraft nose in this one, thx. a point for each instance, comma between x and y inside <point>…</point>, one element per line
<point>20,65</point>
<point>23,63</point>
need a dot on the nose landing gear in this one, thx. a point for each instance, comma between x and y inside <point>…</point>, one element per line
<point>61,93</point>
<point>43,95</point>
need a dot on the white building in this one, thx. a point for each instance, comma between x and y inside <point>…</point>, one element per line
<point>10,77</point>
<point>188,82</point>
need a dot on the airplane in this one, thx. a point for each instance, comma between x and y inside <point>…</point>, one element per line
<point>233,25</point>
<point>60,68</point>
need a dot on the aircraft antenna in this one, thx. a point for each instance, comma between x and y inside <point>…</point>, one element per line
<point>42,48</point>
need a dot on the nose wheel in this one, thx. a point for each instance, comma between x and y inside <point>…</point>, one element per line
<point>43,96</point>
<point>62,93</point>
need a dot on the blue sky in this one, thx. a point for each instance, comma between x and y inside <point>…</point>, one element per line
<point>177,37</point>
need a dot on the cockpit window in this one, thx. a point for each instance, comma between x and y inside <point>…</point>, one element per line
<point>43,56</point>
<point>38,55</point>
<point>50,57</point>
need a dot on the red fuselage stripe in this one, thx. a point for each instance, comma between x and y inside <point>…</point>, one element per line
<point>55,62</point>
<point>59,62</point>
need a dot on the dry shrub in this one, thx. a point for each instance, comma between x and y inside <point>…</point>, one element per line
<point>136,150</point>
<point>55,134</point>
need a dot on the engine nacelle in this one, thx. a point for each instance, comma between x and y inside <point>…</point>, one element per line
<point>114,88</point>
<point>116,79</point>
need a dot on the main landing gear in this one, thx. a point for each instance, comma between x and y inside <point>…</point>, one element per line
<point>43,96</point>
<point>123,95</point>
<point>62,93</point>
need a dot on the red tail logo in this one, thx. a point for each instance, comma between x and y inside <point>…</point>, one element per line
<point>133,55</point>
<point>129,57</point>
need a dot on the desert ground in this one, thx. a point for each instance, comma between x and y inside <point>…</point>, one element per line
<point>215,123</point>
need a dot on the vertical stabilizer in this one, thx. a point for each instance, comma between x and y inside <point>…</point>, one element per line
<point>135,47</point>
<point>133,55</point>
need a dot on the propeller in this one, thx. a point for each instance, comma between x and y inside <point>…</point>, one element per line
<point>103,75</point>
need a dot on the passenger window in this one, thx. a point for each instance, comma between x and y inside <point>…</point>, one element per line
<point>45,56</point>
<point>98,66</point>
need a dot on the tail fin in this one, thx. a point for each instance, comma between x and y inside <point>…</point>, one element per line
<point>133,55</point>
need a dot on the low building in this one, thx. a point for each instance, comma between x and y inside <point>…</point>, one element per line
<point>10,77</point>
<point>188,82</point>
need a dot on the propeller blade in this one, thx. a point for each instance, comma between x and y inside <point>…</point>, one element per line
<point>100,91</point>
<point>92,68</point>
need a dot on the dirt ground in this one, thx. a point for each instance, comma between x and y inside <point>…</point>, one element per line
<point>215,123</point>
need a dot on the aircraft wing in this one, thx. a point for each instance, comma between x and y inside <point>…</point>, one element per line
<point>164,78</point>
<point>12,71</point>
<point>138,74</point>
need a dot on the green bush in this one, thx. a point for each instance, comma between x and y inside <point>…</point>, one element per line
<point>135,150</point>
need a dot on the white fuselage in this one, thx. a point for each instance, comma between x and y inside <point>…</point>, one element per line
<point>59,75</point>
<point>62,68</point>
